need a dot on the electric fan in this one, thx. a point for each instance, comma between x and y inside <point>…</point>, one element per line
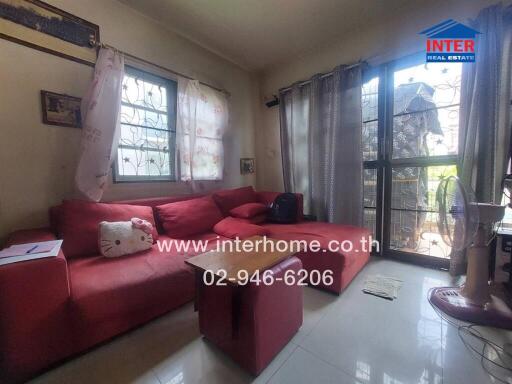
<point>464,223</point>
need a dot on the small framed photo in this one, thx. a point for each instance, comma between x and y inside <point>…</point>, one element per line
<point>247,165</point>
<point>61,109</point>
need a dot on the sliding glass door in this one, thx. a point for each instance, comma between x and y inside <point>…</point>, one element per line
<point>410,141</point>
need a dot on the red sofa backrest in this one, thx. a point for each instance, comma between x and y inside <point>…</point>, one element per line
<point>264,197</point>
<point>155,201</point>
<point>227,199</point>
<point>56,211</point>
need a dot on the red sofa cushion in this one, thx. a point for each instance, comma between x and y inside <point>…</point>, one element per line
<point>35,329</point>
<point>259,219</point>
<point>232,227</point>
<point>256,219</point>
<point>189,217</point>
<point>78,223</point>
<point>156,201</point>
<point>112,295</point>
<point>231,198</point>
<point>153,202</point>
<point>249,210</point>
<point>345,265</point>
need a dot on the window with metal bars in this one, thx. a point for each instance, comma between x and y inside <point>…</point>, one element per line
<point>146,150</point>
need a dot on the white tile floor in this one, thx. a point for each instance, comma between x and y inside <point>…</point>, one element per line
<point>353,338</point>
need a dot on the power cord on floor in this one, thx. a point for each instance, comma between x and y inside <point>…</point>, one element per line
<point>469,330</point>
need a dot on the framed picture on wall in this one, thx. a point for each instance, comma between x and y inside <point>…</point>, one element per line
<point>247,165</point>
<point>61,109</point>
<point>38,25</point>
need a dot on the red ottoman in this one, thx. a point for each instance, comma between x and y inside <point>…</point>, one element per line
<point>252,323</point>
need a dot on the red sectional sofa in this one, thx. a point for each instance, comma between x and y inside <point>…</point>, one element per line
<point>54,308</point>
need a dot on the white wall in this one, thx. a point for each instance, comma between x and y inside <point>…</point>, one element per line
<point>376,43</point>
<point>37,161</point>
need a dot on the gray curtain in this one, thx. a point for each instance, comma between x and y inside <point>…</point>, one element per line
<point>321,127</point>
<point>484,136</point>
<point>294,121</point>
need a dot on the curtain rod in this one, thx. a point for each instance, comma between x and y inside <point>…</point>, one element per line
<point>133,57</point>
<point>322,76</point>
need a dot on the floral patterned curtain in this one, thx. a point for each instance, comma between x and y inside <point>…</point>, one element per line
<point>202,120</point>
<point>100,120</point>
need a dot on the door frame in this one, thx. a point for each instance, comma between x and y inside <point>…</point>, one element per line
<point>385,163</point>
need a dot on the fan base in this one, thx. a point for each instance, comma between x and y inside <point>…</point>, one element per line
<point>493,313</point>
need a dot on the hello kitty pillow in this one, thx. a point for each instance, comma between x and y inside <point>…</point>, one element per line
<point>124,237</point>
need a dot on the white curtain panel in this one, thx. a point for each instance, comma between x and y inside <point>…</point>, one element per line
<point>201,123</point>
<point>321,126</point>
<point>100,124</point>
<point>485,130</point>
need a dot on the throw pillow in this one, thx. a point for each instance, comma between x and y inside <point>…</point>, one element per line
<point>189,217</point>
<point>249,210</point>
<point>231,198</point>
<point>79,223</point>
<point>232,228</point>
<point>124,237</point>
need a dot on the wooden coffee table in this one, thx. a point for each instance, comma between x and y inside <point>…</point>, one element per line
<point>227,265</point>
<point>233,262</point>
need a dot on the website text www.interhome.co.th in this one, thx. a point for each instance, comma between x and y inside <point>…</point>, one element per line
<point>265,244</point>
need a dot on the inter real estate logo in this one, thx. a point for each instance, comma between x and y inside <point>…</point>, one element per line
<point>450,41</point>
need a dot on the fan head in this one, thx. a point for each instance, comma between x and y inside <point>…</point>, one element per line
<point>458,213</point>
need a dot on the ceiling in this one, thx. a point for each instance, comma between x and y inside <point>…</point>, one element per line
<point>256,34</point>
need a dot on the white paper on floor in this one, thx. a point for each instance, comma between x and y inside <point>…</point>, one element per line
<point>382,286</point>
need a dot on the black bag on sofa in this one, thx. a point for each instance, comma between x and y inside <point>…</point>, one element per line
<point>284,209</point>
